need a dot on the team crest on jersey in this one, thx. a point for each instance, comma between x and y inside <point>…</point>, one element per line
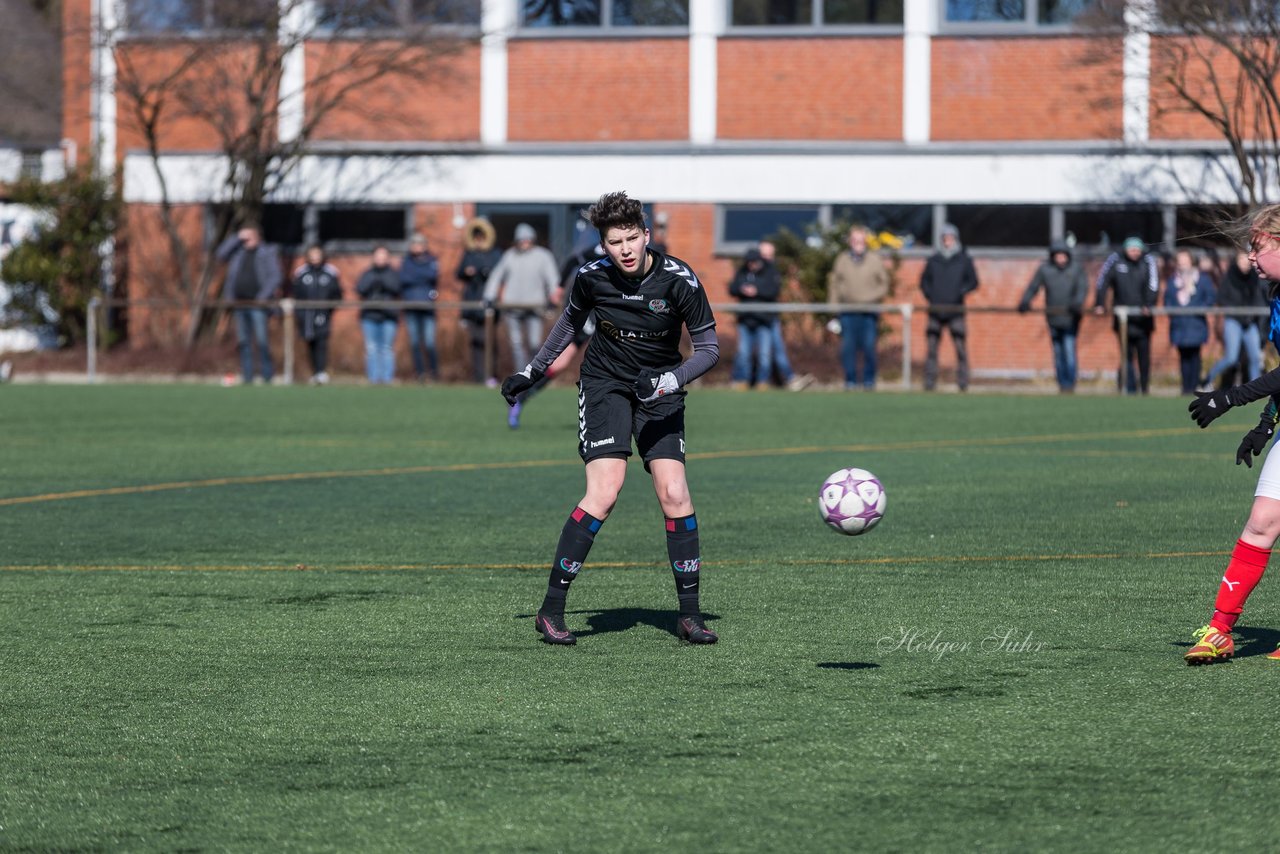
<point>659,306</point>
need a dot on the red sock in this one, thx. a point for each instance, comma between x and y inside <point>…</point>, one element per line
<point>1242,575</point>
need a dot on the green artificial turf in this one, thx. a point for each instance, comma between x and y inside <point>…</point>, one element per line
<point>301,618</point>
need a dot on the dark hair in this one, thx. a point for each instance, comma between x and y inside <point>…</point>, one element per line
<point>615,210</point>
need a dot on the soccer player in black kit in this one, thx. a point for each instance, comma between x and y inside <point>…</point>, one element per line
<point>631,386</point>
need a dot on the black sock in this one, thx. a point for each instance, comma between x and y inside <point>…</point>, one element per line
<point>575,541</point>
<point>686,563</point>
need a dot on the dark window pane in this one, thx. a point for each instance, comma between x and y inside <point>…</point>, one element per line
<point>986,10</point>
<point>650,13</point>
<point>505,222</point>
<point>772,13</point>
<point>561,13</point>
<point>466,12</point>
<point>1209,225</point>
<point>242,14</point>
<point>1104,227</point>
<point>381,224</point>
<point>862,11</point>
<point>356,14</point>
<point>1062,11</point>
<point>158,16</point>
<point>283,224</point>
<point>752,224</point>
<point>912,224</point>
<point>1015,226</point>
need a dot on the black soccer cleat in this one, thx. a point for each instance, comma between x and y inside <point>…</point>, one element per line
<point>694,630</point>
<point>553,629</point>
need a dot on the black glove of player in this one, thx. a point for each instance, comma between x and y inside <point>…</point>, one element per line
<point>1209,405</point>
<point>1255,441</point>
<point>516,385</point>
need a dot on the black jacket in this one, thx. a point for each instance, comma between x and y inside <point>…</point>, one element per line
<point>1065,290</point>
<point>482,261</point>
<point>1244,290</point>
<point>768,284</point>
<point>1132,283</point>
<point>315,283</point>
<point>946,281</point>
<point>379,283</point>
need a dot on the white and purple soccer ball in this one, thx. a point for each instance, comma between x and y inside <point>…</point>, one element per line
<point>852,501</point>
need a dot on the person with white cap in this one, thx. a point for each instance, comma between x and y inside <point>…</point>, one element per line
<point>523,286</point>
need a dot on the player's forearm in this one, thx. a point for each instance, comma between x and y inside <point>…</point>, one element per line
<point>560,336</point>
<point>706,352</point>
<point>1267,385</point>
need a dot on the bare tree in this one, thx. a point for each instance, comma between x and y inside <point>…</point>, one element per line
<point>230,82</point>
<point>1218,61</point>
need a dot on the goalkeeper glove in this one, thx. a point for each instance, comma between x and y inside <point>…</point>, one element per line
<point>1255,441</point>
<point>517,384</point>
<point>1210,405</point>
<point>651,385</point>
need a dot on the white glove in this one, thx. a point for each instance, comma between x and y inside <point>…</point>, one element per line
<point>650,386</point>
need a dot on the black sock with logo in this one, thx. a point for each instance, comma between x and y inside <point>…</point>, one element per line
<point>575,542</point>
<point>686,562</point>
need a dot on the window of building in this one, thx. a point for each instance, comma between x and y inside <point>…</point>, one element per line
<point>1004,226</point>
<point>1105,227</point>
<point>911,224</point>
<point>169,16</point>
<point>604,13</point>
<point>1208,225</point>
<point>742,226</point>
<point>362,225</point>
<point>815,13</point>
<point>1046,12</point>
<point>343,15</point>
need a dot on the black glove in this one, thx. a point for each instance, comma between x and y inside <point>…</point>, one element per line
<point>516,385</point>
<point>1255,441</point>
<point>1209,405</point>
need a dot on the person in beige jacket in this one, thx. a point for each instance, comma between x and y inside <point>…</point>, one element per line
<point>859,278</point>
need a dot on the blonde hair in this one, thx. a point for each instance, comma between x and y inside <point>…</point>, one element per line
<point>1266,220</point>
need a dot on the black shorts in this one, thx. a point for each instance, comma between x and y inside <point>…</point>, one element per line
<point>610,416</point>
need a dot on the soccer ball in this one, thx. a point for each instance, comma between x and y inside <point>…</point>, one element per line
<point>852,501</point>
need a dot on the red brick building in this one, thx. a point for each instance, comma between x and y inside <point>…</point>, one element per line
<point>729,118</point>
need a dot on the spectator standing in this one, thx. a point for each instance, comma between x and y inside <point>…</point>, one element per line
<point>1065,290</point>
<point>379,283</point>
<point>1132,279</point>
<point>253,275</point>
<point>755,283</point>
<point>781,369</point>
<point>523,285</point>
<point>419,274</point>
<point>316,279</point>
<point>1242,287</point>
<point>477,263</point>
<point>858,278</point>
<point>949,276</point>
<point>1188,287</point>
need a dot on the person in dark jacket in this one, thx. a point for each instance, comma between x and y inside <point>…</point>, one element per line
<point>419,273</point>
<point>253,275</point>
<point>478,260</point>
<point>949,276</point>
<point>1065,290</point>
<point>379,283</point>
<point>755,283</point>
<point>1241,335</point>
<point>1188,287</point>
<point>1132,278</point>
<point>315,279</point>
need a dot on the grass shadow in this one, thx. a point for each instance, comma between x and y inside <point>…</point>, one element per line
<point>847,665</point>
<point>624,619</point>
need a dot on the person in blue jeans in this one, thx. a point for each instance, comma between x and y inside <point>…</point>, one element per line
<point>754,283</point>
<point>379,283</point>
<point>419,271</point>
<point>1065,291</point>
<point>1241,288</point>
<point>858,278</point>
<point>253,275</point>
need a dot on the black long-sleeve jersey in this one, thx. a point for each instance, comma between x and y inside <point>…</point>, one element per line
<point>638,321</point>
